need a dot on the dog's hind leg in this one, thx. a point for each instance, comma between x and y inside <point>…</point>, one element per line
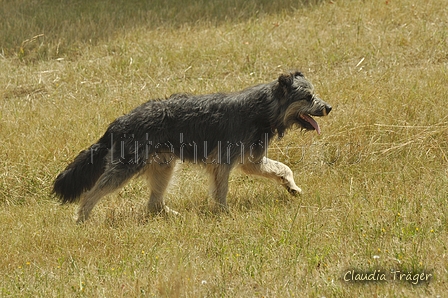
<point>274,170</point>
<point>158,177</point>
<point>219,183</point>
<point>112,179</point>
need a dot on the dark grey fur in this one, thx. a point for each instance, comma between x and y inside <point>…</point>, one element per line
<point>220,131</point>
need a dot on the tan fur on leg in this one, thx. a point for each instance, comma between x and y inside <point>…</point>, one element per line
<point>274,170</point>
<point>108,183</point>
<point>158,176</point>
<point>219,184</point>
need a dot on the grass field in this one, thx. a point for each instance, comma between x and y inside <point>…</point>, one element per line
<point>375,181</point>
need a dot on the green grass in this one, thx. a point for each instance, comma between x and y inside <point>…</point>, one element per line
<point>375,181</point>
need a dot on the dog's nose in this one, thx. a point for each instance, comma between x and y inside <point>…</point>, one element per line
<point>327,109</point>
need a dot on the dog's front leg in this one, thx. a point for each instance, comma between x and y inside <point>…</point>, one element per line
<point>274,170</point>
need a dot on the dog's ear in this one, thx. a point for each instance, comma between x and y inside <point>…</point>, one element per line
<point>286,80</point>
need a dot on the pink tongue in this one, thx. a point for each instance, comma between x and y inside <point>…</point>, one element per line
<point>311,121</point>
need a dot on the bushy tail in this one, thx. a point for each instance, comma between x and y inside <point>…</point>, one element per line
<point>82,174</point>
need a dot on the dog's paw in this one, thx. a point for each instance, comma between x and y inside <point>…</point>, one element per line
<point>294,191</point>
<point>161,209</point>
<point>169,211</point>
<point>218,208</point>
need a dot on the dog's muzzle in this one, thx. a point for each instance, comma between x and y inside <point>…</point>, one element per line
<point>307,121</point>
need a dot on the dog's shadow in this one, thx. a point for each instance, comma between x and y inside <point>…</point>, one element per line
<point>251,195</point>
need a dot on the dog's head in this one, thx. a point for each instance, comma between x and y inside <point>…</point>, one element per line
<point>300,101</point>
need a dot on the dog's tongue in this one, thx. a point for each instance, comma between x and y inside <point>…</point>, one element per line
<point>311,121</point>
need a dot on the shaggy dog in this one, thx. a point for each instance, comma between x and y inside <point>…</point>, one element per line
<point>220,131</point>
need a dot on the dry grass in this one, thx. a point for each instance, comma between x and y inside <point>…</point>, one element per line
<point>375,181</point>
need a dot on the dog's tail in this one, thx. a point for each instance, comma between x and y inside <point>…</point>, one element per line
<point>82,174</point>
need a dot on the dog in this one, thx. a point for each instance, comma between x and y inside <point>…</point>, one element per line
<point>219,131</point>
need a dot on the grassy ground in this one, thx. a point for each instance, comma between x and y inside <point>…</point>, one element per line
<point>375,181</point>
